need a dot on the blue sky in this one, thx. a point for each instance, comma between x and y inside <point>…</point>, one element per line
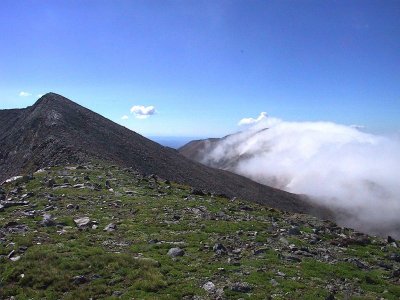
<point>204,65</point>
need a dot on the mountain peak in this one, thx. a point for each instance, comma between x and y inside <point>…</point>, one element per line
<point>52,98</point>
<point>58,131</point>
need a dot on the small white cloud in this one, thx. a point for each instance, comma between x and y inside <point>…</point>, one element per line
<point>143,112</point>
<point>40,95</point>
<point>248,121</point>
<point>24,94</point>
<point>125,117</point>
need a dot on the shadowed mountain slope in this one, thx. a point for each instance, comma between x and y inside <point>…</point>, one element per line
<point>56,130</point>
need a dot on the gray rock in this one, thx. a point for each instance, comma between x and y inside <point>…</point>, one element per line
<point>7,204</point>
<point>209,287</point>
<point>241,287</point>
<point>80,279</point>
<point>48,220</point>
<point>110,227</point>
<point>219,249</point>
<point>82,222</point>
<point>50,183</point>
<point>108,185</point>
<point>273,282</point>
<point>396,273</point>
<point>260,251</point>
<point>294,231</point>
<point>175,252</point>
<point>395,257</point>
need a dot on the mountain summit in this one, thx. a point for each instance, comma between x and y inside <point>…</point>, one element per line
<point>58,131</point>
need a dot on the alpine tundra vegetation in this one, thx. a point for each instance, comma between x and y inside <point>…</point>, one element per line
<point>101,231</point>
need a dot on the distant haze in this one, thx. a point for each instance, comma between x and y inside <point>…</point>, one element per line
<point>339,166</point>
<point>172,141</point>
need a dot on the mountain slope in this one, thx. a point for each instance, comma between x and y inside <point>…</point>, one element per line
<point>56,130</point>
<point>149,239</point>
<point>200,150</point>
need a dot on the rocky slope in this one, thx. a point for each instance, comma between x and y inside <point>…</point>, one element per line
<point>200,150</point>
<point>98,231</point>
<point>56,130</point>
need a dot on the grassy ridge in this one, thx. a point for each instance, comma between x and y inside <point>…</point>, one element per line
<point>265,253</point>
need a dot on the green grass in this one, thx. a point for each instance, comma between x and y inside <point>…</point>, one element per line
<point>124,265</point>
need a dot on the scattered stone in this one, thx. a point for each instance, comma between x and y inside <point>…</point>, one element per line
<point>358,263</point>
<point>50,183</point>
<point>294,231</point>
<point>385,265</point>
<point>15,258</point>
<point>392,241</point>
<point>241,287</point>
<point>396,273</point>
<point>82,222</point>
<point>273,282</point>
<point>110,227</point>
<point>395,257</point>
<point>14,227</point>
<point>108,185</point>
<point>209,287</point>
<point>48,220</point>
<point>7,204</point>
<point>11,254</point>
<point>220,249</point>
<point>175,252</point>
<point>293,258</point>
<point>80,279</point>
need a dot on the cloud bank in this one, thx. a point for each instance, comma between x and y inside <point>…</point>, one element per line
<point>339,166</point>
<point>143,112</point>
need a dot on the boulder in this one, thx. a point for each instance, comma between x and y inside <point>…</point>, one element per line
<point>82,222</point>
<point>48,220</point>
<point>209,287</point>
<point>175,252</point>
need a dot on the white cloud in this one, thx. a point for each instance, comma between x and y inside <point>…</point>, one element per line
<point>24,94</point>
<point>40,95</point>
<point>337,165</point>
<point>248,121</point>
<point>143,112</point>
<point>125,117</point>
